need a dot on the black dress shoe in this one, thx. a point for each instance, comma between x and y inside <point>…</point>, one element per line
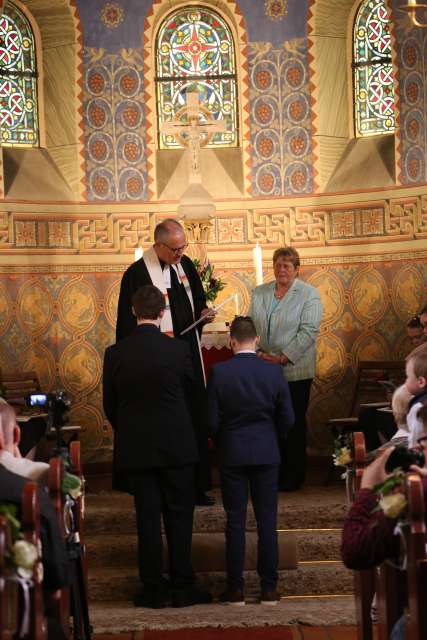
<point>204,500</point>
<point>190,596</point>
<point>154,596</point>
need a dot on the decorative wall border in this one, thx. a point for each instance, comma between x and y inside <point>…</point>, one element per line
<point>79,97</point>
<point>232,12</point>
<point>304,226</point>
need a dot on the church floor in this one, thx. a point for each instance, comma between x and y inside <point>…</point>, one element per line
<point>294,632</point>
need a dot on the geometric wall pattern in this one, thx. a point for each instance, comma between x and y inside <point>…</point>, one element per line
<point>413,103</point>
<point>280,120</point>
<point>382,220</point>
<point>114,126</point>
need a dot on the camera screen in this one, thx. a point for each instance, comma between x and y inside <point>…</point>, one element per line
<point>37,399</point>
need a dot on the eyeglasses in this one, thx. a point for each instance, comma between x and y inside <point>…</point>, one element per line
<point>177,249</point>
<point>422,441</point>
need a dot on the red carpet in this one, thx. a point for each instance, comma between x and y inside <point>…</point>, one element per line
<point>231,633</point>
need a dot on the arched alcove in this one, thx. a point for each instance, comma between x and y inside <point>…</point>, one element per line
<point>56,169</point>
<point>226,172</point>
<point>339,158</point>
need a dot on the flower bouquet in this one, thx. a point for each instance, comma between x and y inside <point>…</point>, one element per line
<point>211,285</point>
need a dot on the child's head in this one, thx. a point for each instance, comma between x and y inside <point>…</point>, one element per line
<point>399,405</point>
<point>416,370</point>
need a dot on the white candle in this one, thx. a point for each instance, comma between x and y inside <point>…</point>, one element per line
<point>257,258</point>
<point>412,3</point>
<point>139,252</point>
<point>236,303</point>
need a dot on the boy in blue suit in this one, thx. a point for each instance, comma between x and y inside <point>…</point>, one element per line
<point>250,410</point>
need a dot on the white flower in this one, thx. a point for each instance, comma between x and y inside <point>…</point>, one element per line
<point>393,504</point>
<point>343,457</point>
<point>24,555</point>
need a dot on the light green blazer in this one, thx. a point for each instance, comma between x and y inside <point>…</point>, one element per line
<point>293,328</point>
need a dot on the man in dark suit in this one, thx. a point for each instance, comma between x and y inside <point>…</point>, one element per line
<point>165,266</point>
<point>250,410</point>
<point>147,390</point>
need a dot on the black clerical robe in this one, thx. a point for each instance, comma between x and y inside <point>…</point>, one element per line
<point>182,316</point>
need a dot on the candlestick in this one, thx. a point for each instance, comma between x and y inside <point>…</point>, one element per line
<point>236,303</point>
<point>257,258</point>
<point>139,252</point>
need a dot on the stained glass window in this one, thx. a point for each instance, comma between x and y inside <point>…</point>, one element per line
<point>18,80</point>
<point>372,70</point>
<point>195,52</point>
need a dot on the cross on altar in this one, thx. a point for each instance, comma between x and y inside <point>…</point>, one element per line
<point>192,133</point>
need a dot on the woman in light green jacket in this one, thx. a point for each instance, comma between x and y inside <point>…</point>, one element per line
<point>287,314</point>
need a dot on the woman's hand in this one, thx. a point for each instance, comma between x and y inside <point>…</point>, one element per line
<point>269,357</point>
<point>422,471</point>
<point>375,473</point>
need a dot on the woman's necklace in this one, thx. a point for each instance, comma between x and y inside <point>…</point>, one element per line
<point>279,294</point>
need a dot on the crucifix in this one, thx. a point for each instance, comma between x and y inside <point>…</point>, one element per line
<point>193,134</point>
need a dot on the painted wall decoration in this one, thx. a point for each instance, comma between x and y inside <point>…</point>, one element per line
<point>59,323</point>
<point>115,140</point>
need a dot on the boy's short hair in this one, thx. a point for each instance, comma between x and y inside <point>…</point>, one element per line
<point>148,302</point>
<point>418,357</point>
<point>243,329</point>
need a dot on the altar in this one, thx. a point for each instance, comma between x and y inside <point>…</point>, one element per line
<point>215,344</point>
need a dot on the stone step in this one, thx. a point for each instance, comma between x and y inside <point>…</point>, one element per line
<point>311,578</point>
<point>314,507</point>
<point>311,544</point>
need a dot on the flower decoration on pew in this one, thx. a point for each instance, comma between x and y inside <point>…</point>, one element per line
<point>211,285</point>
<point>392,501</point>
<point>342,456</point>
<point>72,485</point>
<point>22,554</point>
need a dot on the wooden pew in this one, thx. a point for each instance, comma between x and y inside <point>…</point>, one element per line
<point>59,601</point>
<point>415,538</point>
<point>364,581</point>
<point>30,523</point>
<point>8,590</point>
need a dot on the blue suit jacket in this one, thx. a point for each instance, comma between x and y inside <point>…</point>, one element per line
<point>250,407</point>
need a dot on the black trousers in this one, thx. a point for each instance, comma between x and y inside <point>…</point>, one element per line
<point>235,484</point>
<point>167,492</point>
<point>293,449</point>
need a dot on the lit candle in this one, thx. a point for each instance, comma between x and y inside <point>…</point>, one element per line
<point>139,252</point>
<point>257,258</point>
<point>236,303</point>
<point>412,3</point>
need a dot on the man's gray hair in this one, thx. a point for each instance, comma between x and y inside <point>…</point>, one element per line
<point>165,228</point>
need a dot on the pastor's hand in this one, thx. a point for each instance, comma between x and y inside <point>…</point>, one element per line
<point>208,314</point>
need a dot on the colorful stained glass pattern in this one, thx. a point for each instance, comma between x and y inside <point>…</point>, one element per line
<point>372,70</point>
<point>18,80</point>
<point>195,52</point>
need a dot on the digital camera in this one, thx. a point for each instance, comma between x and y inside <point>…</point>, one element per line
<point>403,458</point>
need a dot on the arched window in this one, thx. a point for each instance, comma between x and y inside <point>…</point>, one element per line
<point>18,80</point>
<point>374,109</point>
<point>195,52</point>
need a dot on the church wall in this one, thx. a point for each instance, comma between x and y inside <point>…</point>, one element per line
<point>61,263</point>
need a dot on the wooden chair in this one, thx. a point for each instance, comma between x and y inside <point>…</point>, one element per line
<point>30,523</point>
<point>415,538</point>
<point>59,601</point>
<point>367,389</point>
<point>8,590</point>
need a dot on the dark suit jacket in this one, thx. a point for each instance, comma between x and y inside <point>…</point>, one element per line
<point>54,555</point>
<point>146,385</point>
<point>250,407</point>
<point>136,276</point>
